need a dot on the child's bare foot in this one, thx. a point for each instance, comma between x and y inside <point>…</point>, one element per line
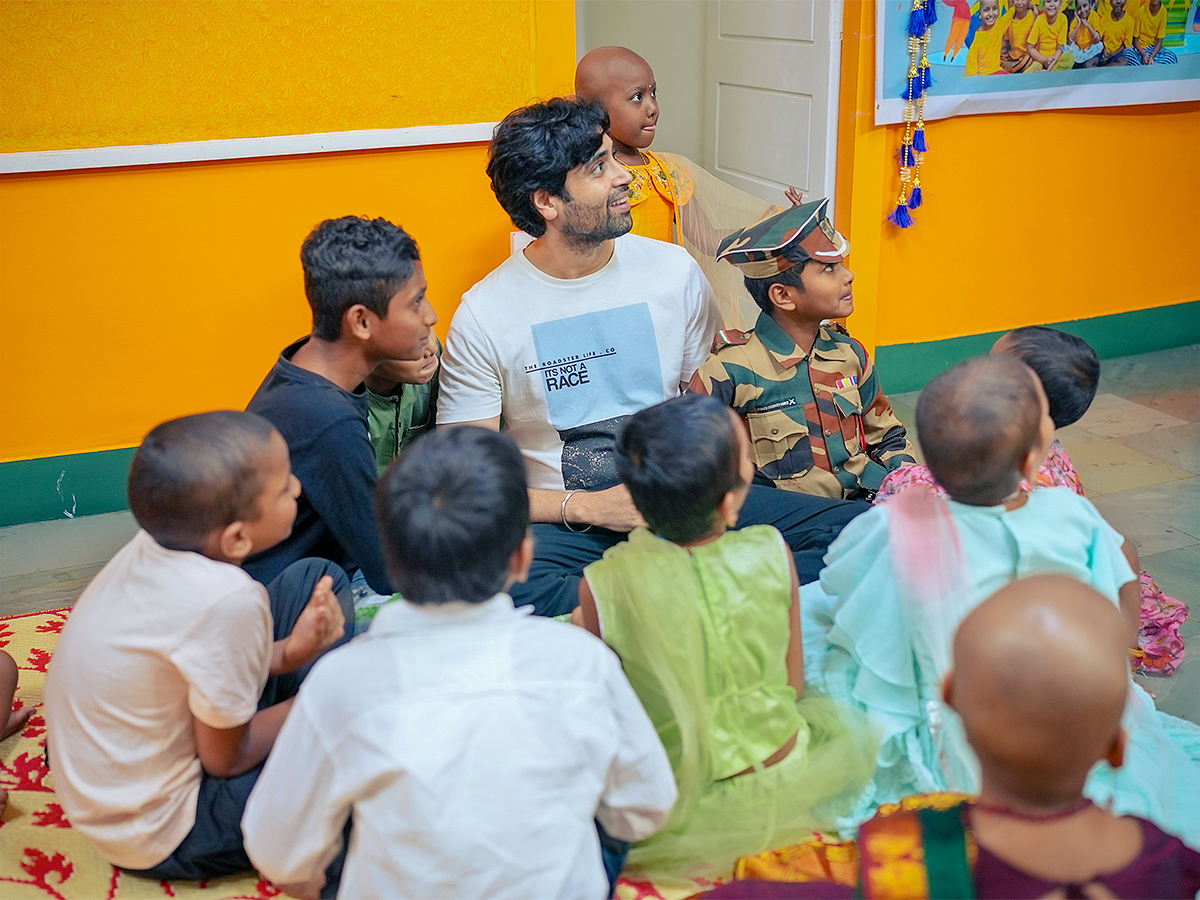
<point>16,721</point>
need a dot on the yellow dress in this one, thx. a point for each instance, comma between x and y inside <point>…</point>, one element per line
<point>658,188</point>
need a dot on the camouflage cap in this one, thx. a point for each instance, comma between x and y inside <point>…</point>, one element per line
<point>758,249</point>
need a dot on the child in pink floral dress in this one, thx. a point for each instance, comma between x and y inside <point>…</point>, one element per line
<point>1070,371</point>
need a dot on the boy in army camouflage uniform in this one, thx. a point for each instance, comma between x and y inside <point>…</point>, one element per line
<point>818,421</point>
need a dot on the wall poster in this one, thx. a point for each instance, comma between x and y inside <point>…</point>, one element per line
<point>1099,53</point>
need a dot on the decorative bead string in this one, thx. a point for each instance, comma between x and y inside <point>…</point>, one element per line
<point>920,77</point>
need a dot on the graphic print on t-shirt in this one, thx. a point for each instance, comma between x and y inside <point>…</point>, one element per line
<point>596,369</point>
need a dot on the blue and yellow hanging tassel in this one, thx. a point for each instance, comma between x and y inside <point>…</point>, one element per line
<point>920,77</point>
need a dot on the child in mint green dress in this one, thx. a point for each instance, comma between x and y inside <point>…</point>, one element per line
<point>707,624</point>
<point>900,578</point>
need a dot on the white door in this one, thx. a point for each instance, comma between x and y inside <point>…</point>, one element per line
<point>771,95</point>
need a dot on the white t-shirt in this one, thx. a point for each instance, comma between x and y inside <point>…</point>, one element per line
<point>474,765</point>
<point>158,637</point>
<point>566,361</point>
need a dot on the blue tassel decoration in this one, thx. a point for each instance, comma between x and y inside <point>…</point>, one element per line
<point>915,89</point>
<point>931,12</point>
<point>916,199</point>
<point>917,23</point>
<point>919,141</point>
<point>901,217</point>
<point>926,78</point>
<point>907,157</point>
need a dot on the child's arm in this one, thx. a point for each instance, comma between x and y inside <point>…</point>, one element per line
<point>1130,594</point>
<point>1032,50</point>
<point>339,481</point>
<point>1105,56</point>
<point>293,823</point>
<point>795,650</point>
<point>1006,51</point>
<point>320,625</point>
<point>225,752</point>
<point>1136,43</point>
<point>973,59</point>
<point>639,787</point>
<point>585,614</point>
<point>12,721</point>
<point>1152,53</point>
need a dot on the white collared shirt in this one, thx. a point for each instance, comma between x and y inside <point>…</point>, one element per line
<point>474,744</point>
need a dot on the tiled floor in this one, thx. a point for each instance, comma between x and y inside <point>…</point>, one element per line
<point>1137,451</point>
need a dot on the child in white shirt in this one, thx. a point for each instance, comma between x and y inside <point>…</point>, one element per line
<point>489,739</point>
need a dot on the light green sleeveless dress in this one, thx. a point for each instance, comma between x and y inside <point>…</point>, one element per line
<point>703,636</point>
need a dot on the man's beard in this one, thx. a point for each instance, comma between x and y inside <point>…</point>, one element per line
<point>586,229</point>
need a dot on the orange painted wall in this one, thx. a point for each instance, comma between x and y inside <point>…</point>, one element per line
<point>1028,218</point>
<point>129,296</point>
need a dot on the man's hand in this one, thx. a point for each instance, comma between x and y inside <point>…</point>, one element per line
<point>611,508</point>
<point>321,624</point>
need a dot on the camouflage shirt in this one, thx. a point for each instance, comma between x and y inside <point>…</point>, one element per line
<point>818,423</point>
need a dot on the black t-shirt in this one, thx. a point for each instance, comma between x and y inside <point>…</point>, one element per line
<point>325,428</point>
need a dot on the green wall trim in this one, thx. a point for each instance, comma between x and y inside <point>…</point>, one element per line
<point>907,367</point>
<point>85,484</point>
<point>62,487</point>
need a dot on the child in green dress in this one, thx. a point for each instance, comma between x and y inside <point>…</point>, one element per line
<point>707,624</point>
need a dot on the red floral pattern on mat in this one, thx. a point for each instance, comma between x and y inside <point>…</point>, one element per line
<point>40,867</point>
<point>50,872</point>
<point>39,660</point>
<point>51,817</point>
<point>55,625</point>
<point>25,773</point>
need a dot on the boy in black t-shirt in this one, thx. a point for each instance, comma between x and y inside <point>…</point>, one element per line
<point>366,286</point>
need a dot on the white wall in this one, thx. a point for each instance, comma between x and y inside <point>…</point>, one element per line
<point>670,35</point>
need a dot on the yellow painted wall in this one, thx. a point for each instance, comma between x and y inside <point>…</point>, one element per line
<point>128,296</point>
<point>1028,218</point>
<point>92,74</point>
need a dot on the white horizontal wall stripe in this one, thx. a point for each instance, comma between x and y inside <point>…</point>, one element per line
<point>244,148</point>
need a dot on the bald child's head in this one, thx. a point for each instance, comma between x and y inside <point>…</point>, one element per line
<point>1040,678</point>
<point>624,83</point>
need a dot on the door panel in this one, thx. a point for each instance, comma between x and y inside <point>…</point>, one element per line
<point>771,94</point>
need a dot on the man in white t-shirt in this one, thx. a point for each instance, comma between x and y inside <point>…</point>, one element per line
<point>584,327</point>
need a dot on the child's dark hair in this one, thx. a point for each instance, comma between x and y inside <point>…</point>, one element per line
<point>352,260</point>
<point>679,459</point>
<point>1067,366</point>
<point>195,475</point>
<point>535,147</point>
<point>760,288</point>
<point>452,509</point>
<point>976,423</point>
